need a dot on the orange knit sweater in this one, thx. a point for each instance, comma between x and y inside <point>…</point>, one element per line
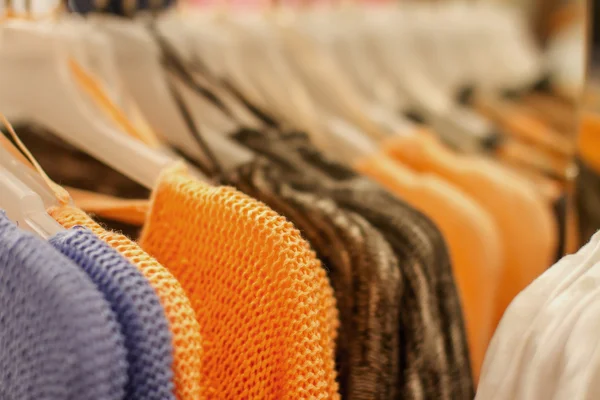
<point>184,326</point>
<point>264,302</point>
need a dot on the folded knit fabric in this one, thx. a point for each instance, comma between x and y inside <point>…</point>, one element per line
<point>187,340</point>
<point>59,338</point>
<point>434,358</point>
<point>137,308</point>
<point>364,274</point>
<point>265,305</point>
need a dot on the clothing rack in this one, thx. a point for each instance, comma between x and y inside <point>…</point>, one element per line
<point>345,203</point>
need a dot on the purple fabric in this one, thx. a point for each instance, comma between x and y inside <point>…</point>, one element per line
<point>59,338</point>
<point>137,308</point>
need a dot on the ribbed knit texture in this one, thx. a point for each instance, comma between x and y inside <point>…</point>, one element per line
<point>59,338</point>
<point>187,340</point>
<point>434,358</point>
<point>265,305</point>
<point>137,308</point>
<point>364,274</point>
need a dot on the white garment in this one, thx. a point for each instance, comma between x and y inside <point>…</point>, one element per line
<point>547,352</point>
<point>524,322</point>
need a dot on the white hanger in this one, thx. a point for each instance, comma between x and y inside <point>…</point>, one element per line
<point>346,42</point>
<point>25,197</point>
<point>137,59</point>
<point>498,52</point>
<point>255,45</point>
<point>25,207</point>
<point>36,81</point>
<point>516,44</point>
<point>175,33</point>
<point>217,45</point>
<point>98,56</point>
<point>457,126</point>
<point>140,70</point>
<point>208,77</point>
<point>279,84</point>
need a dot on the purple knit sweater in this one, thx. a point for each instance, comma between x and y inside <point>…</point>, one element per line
<point>59,338</point>
<point>137,308</point>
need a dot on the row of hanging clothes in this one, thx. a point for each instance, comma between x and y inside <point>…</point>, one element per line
<point>546,345</point>
<point>302,203</point>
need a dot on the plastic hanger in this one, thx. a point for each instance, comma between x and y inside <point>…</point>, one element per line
<point>278,82</point>
<point>138,59</point>
<point>254,37</point>
<point>172,37</point>
<point>99,56</point>
<point>511,118</point>
<point>319,44</point>
<point>177,41</point>
<point>25,203</point>
<point>329,85</point>
<point>180,32</point>
<point>182,80</point>
<point>25,207</point>
<point>102,75</point>
<point>458,126</point>
<point>50,96</point>
<point>258,49</point>
<point>223,45</point>
<point>349,129</point>
<point>218,47</point>
<point>140,72</point>
<point>491,35</point>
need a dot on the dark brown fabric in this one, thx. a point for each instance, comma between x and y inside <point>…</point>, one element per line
<point>587,200</point>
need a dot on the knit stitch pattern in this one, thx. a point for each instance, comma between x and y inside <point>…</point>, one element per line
<point>434,358</point>
<point>137,308</point>
<point>187,340</point>
<point>265,305</point>
<point>59,339</point>
<point>362,269</point>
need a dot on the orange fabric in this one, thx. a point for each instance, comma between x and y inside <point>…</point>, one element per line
<point>130,211</point>
<point>525,127</point>
<point>558,112</point>
<point>526,155</point>
<point>588,141</point>
<point>187,340</point>
<point>264,302</point>
<point>470,233</point>
<point>526,224</point>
